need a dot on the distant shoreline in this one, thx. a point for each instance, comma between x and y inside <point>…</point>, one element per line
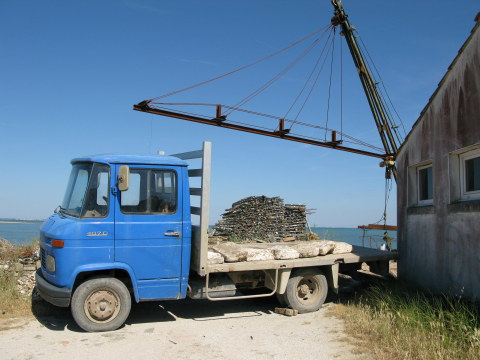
<point>16,222</point>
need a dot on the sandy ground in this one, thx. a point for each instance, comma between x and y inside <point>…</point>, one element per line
<point>187,329</point>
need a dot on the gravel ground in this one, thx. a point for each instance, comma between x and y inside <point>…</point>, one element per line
<point>186,329</point>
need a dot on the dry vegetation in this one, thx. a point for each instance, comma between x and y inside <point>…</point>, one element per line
<point>392,321</point>
<point>12,303</point>
<point>9,252</point>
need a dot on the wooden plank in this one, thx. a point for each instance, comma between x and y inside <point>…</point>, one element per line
<point>378,227</point>
<point>197,154</point>
<point>195,210</point>
<point>195,172</point>
<point>196,191</point>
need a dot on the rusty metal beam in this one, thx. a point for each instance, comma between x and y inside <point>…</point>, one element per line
<point>222,122</point>
<point>378,227</point>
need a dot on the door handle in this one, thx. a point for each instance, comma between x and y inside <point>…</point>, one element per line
<point>174,233</point>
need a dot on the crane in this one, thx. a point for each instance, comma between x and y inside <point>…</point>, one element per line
<point>383,121</point>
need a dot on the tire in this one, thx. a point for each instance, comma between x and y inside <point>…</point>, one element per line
<point>306,290</point>
<point>101,304</point>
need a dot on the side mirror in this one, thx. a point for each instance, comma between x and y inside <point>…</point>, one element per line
<point>123,178</point>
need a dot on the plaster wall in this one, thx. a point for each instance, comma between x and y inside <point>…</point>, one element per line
<point>439,244</point>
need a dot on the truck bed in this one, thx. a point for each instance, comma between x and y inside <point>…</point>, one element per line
<point>359,254</point>
<point>200,245</point>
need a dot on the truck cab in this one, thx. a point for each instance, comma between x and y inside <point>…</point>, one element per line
<point>125,224</point>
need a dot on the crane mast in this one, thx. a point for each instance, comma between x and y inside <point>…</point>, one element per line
<point>375,102</point>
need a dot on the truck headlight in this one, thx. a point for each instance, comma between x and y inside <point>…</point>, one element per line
<point>50,263</point>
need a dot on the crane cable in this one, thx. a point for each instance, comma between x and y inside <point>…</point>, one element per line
<point>341,89</point>
<point>276,77</point>
<point>280,74</point>
<point>330,82</point>
<point>240,68</point>
<point>314,83</point>
<point>388,190</point>
<point>306,82</point>
<point>369,60</point>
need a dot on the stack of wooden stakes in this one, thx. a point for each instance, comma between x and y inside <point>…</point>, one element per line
<point>260,218</point>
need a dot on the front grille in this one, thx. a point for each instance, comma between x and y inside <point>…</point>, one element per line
<point>42,258</point>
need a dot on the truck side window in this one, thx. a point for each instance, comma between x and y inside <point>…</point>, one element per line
<point>132,196</point>
<point>97,196</point>
<point>150,192</point>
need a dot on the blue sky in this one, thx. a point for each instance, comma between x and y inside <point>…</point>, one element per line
<point>70,72</point>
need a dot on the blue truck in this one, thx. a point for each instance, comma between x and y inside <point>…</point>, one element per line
<point>127,230</point>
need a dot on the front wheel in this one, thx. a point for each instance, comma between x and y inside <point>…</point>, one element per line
<point>306,290</point>
<point>101,304</point>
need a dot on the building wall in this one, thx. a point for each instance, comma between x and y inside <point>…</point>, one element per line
<point>439,244</point>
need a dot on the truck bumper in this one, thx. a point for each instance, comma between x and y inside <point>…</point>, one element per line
<point>53,294</point>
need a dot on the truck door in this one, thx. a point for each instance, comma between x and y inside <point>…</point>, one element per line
<point>148,230</point>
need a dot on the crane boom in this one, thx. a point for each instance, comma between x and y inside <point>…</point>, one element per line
<point>375,102</point>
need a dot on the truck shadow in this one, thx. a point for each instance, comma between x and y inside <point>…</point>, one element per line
<point>201,310</point>
<point>60,319</point>
<point>52,317</point>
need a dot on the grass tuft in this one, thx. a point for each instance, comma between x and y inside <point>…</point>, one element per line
<point>394,321</point>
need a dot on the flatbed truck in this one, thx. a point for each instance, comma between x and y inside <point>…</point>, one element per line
<point>128,231</point>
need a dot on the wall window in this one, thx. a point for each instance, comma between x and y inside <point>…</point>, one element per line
<point>150,192</point>
<point>464,169</point>
<point>425,184</point>
<point>470,174</point>
<point>420,184</point>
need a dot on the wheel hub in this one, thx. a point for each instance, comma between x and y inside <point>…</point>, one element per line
<point>303,290</point>
<point>307,290</point>
<point>101,306</point>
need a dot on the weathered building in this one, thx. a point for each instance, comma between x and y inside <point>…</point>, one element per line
<point>439,183</point>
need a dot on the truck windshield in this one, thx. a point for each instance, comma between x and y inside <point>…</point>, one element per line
<point>87,192</point>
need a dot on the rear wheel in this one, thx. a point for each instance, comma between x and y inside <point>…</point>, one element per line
<point>101,304</point>
<point>306,290</point>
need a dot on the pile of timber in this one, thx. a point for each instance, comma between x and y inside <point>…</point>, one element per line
<point>234,252</point>
<point>295,221</point>
<point>263,218</point>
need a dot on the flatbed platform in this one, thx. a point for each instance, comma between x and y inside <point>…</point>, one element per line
<point>359,254</point>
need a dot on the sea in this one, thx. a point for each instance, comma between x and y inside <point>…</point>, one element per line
<point>355,236</point>
<point>22,232</point>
